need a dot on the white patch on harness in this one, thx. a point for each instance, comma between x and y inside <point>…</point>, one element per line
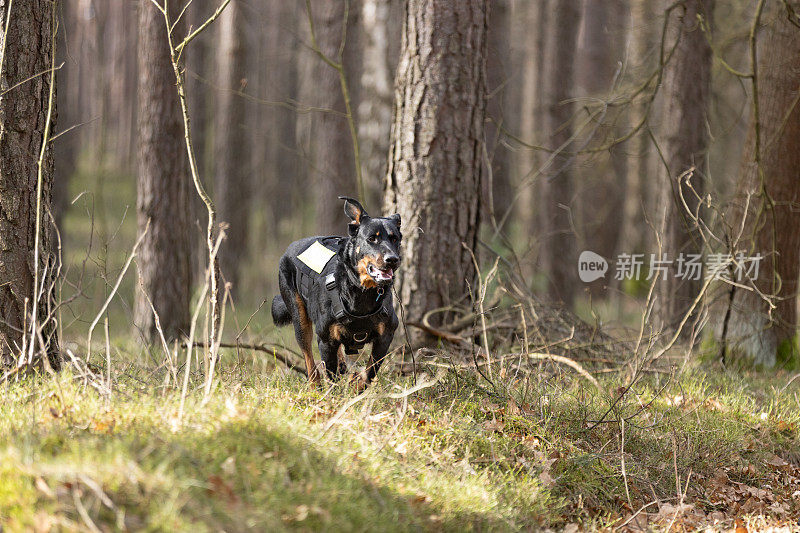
<point>316,256</point>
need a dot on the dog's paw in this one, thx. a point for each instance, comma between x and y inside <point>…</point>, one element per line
<point>314,379</point>
<point>359,381</point>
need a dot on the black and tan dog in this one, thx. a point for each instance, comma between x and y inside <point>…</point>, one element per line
<point>340,287</point>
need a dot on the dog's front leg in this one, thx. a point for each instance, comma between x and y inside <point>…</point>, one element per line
<point>380,347</point>
<point>329,353</point>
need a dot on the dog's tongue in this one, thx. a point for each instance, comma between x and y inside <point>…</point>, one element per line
<point>385,273</point>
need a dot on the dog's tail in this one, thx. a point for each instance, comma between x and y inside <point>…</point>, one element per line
<point>280,313</point>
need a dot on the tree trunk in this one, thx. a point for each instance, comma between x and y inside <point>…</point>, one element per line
<point>199,75</point>
<point>773,226</point>
<point>162,187</point>
<point>90,92</point>
<point>602,45</point>
<point>375,107</point>
<point>558,254</point>
<point>66,147</point>
<point>435,159</point>
<point>332,145</point>
<point>601,53</point>
<point>528,159</point>
<point>281,81</point>
<point>686,99</point>
<point>497,191</point>
<point>200,81</point>
<point>307,65</point>
<point>231,162</point>
<point>119,39</point>
<point>632,230</point>
<point>23,126</point>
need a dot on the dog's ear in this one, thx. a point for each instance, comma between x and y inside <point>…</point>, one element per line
<point>356,212</point>
<point>396,219</point>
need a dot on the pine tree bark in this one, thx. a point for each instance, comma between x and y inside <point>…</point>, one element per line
<point>558,254</point>
<point>23,117</point>
<point>773,223</point>
<point>164,258</point>
<point>231,169</point>
<point>686,99</point>
<point>435,161</point>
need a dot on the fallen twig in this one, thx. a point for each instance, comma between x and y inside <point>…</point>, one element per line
<point>564,360</point>
<point>394,396</point>
<point>266,348</point>
<point>446,335</point>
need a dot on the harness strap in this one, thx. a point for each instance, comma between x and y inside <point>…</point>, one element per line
<point>304,283</point>
<point>336,300</point>
<point>339,309</point>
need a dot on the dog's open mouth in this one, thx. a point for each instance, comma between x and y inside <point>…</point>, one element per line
<point>380,274</point>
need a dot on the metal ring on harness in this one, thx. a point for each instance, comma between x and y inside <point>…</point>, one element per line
<point>362,339</point>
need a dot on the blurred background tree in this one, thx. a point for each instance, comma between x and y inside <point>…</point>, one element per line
<point>163,184</point>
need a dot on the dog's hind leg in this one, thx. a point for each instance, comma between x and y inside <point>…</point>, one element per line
<point>304,333</point>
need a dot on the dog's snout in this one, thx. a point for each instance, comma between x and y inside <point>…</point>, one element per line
<point>391,260</point>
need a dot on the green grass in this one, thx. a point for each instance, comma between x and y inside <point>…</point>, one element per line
<point>260,454</point>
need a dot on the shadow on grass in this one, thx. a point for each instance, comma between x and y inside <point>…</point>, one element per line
<point>240,475</point>
<point>262,479</point>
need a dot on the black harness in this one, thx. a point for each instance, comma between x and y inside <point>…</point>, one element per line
<point>306,276</point>
<point>359,327</point>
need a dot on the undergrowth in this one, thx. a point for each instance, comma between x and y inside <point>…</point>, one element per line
<point>266,452</point>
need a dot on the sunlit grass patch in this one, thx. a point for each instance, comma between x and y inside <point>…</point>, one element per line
<point>267,452</point>
<point>260,458</point>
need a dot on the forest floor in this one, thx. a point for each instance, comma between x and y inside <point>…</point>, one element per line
<point>686,447</point>
<point>705,448</point>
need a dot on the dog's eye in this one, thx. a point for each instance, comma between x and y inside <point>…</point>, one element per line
<point>372,239</point>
